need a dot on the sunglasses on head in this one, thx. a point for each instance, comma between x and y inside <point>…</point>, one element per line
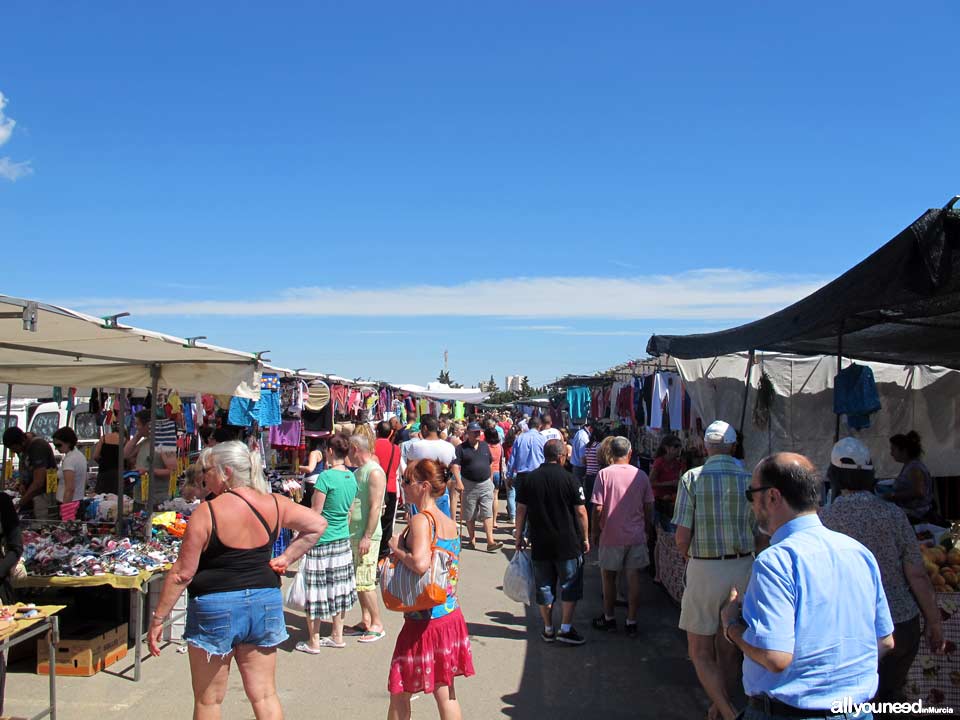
<point>748,493</point>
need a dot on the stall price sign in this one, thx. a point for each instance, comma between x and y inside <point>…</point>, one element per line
<point>144,486</point>
<point>53,482</point>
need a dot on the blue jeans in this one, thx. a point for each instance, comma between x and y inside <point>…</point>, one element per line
<point>558,577</point>
<point>755,714</point>
<point>218,622</point>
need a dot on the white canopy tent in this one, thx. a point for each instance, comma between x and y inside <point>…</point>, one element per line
<point>43,344</point>
<point>57,346</point>
<point>440,391</point>
<point>913,397</point>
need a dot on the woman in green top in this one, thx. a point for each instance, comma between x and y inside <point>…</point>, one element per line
<point>328,567</point>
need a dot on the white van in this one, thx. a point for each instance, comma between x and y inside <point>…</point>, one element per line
<point>50,416</point>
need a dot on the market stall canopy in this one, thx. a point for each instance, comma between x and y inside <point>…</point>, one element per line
<point>440,391</point>
<point>44,344</point>
<point>901,305</point>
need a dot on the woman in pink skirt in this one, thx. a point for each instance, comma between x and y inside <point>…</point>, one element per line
<point>433,647</point>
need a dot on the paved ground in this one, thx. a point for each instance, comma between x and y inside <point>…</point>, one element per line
<point>518,676</point>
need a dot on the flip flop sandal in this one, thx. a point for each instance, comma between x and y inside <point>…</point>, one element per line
<point>355,631</point>
<point>327,642</point>
<point>305,648</point>
<point>371,636</point>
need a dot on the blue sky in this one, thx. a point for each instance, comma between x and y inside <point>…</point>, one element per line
<point>535,187</point>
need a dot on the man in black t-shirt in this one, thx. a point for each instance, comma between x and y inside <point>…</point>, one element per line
<point>551,502</point>
<point>36,457</point>
<point>474,479</point>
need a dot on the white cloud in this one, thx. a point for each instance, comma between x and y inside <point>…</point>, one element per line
<point>604,333</point>
<point>6,123</point>
<point>535,328</point>
<point>10,170</point>
<point>710,294</point>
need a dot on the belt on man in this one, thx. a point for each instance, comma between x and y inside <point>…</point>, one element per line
<point>768,705</point>
<point>734,556</point>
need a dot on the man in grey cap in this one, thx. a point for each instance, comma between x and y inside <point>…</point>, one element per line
<point>716,530</point>
<point>473,478</point>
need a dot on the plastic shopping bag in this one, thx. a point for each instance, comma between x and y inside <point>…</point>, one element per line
<point>296,598</point>
<point>518,583</point>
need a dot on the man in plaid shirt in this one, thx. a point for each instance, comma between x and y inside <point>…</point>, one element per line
<point>715,530</point>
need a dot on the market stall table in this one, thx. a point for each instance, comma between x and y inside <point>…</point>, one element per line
<point>671,565</point>
<point>24,629</point>
<point>935,679</point>
<point>139,583</point>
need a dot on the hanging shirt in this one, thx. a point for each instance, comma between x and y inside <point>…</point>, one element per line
<point>657,401</point>
<point>578,400</point>
<point>855,395</point>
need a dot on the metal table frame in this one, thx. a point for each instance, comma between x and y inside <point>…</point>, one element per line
<point>141,636</point>
<point>51,626</point>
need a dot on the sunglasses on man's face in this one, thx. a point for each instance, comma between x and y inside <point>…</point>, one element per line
<point>749,492</point>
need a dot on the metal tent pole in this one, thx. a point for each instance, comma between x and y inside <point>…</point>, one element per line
<point>836,431</point>
<point>6,424</point>
<point>746,390</point>
<point>155,390</point>
<point>121,445</point>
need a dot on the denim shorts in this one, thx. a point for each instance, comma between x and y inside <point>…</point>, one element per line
<point>567,573</point>
<point>218,622</point>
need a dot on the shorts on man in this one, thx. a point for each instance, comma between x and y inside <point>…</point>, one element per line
<point>366,567</point>
<point>476,501</point>
<point>708,589</point>
<point>565,574</point>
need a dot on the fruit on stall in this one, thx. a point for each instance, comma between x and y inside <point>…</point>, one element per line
<point>943,567</point>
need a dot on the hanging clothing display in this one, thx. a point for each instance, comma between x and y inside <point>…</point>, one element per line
<point>286,435</point>
<point>855,395</point>
<point>578,402</point>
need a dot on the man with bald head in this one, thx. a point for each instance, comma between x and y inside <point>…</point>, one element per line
<point>814,620</point>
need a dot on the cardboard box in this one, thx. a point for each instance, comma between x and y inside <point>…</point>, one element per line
<point>88,650</point>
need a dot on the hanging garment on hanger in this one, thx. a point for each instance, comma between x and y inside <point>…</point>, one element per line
<point>286,434</point>
<point>855,395</point>
<point>578,402</point>
<point>674,400</point>
<point>658,398</point>
<point>639,410</point>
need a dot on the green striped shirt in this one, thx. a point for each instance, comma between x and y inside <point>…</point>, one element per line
<point>711,503</point>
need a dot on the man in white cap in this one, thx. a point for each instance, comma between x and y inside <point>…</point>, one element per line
<point>716,530</point>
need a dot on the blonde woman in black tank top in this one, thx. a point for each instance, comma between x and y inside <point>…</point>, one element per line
<point>235,608</point>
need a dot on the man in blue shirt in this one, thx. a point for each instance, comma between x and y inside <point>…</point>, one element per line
<point>814,619</point>
<point>577,460</point>
<point>527,453</point>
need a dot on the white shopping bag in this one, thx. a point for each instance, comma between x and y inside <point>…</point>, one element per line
<point>296,598</point>
<point>518,583</point>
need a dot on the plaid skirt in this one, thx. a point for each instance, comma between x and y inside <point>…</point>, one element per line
<point>330,579</point>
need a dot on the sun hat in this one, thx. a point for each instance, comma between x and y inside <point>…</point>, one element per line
<point>318,396</point>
